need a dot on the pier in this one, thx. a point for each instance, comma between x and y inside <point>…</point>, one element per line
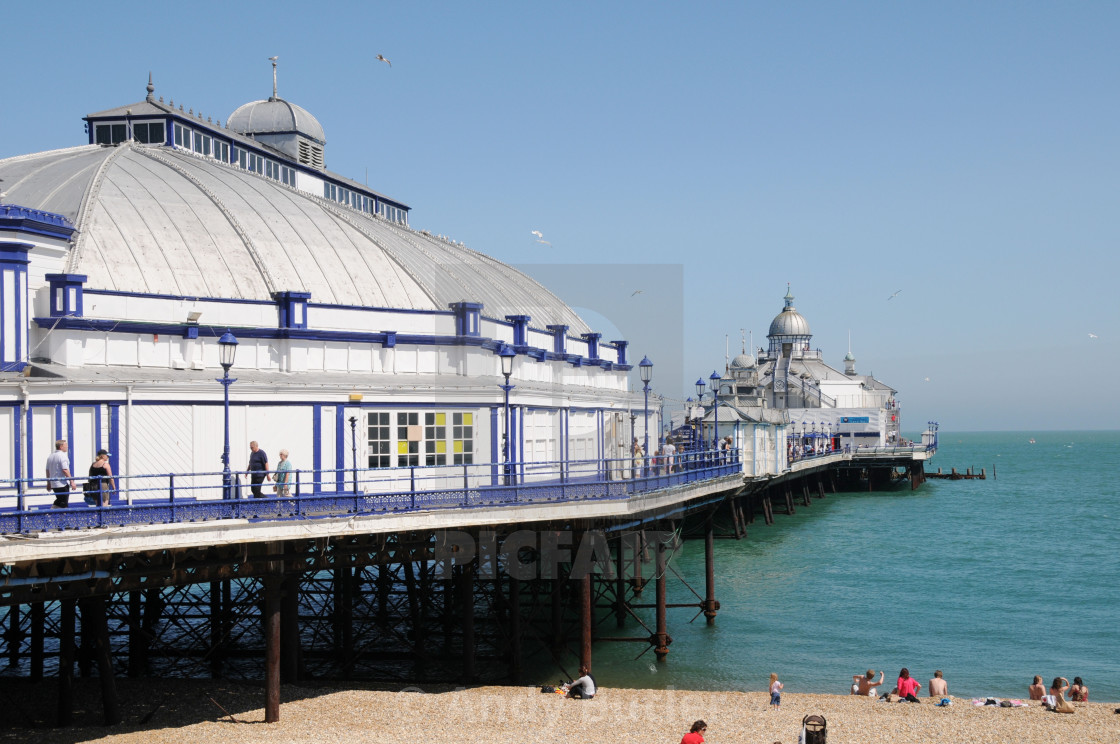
<point>466,580</point>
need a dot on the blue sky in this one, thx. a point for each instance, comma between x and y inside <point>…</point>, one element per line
<point>964,153</point>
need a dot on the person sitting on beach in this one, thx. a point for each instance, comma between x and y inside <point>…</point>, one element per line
<point>938,687</point>
<point>1079,693</point>
<point>862,684</point>
<point>907,686</point>
<point>1036,690</point>
<point>1057,693</point>
<point>582,688</point>
<point>695,734</point>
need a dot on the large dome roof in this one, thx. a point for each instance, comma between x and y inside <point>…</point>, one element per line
<point>152,219</point>
<point>789,322</point>
<point>276,116</point>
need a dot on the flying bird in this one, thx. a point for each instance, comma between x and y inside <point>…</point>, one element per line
<point>927,379</point>
<point>380,58</point>
<point>893,296</point>
<point>1092,335</point>
<point>540,237</point>
<point>637,292</point>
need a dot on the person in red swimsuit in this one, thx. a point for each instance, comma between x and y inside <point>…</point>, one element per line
<point>695,735</point>
<point>908,686</point>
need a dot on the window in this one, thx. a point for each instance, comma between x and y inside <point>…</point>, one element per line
<point>435,438</point>
<point>380,440</point>
<point>408,439</point>
<point>148,132</point>
<point>109,134</point>
<point>221,150</point>
<point>462,438</point>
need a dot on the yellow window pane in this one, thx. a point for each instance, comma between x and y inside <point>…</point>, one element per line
<point>458,446</point>
<point>467,419</point>
<point>441,419</point>
<point>441,447</point>
<point>402,448</point>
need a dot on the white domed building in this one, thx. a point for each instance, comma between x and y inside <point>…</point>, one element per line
<point>850,408</point>
<point>361,340</point>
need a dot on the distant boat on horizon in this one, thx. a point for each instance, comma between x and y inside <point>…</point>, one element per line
<point>1031,441</point>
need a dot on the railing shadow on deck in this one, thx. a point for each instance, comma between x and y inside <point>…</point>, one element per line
<point>172,498</point>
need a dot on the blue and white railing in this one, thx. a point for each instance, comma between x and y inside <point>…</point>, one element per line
<point>169,498</point>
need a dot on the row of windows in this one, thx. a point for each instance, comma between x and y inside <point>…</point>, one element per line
<point>212,147</point>
<point>362,203</point>
<point>147,132</point>
<point>411,443</point>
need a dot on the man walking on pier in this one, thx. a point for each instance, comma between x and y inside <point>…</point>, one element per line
<point>59,479</point>
<point>258,468</point>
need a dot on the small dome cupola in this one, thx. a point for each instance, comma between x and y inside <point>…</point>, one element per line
<point>283,125</point>
<point>789,330</point>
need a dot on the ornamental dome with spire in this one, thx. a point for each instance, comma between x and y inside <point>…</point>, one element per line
<point>285,126</point>
<point>788,326</point>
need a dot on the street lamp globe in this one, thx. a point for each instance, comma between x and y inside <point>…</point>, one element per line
<point>646,368</point>
<point>227,349</point>
<point>700,388</point>
<point>506,355</point>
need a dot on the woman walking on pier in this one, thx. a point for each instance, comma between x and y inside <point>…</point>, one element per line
<point>101,479</point>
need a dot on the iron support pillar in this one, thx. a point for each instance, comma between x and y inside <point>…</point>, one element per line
<point>710,603</point>
<point>215,631</point>
<point>466,594</point>
<point>514,629</point>
<point>66,662</point>
<point>661,636</point>
<point>99,627</point>
<point>38,631</point>
<point>272,648</point>
<point>585,620</point>
<point>289,629</point>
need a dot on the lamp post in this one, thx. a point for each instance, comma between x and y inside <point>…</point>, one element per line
<point>714,379</point>
<point>700,388</point>
<point>506,354</point>
<point>645,367</point>
<point>354,450</point>
<point>633,441</point>
<point>227,352</point>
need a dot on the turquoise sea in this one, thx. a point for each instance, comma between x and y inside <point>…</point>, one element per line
<point>991,581</point>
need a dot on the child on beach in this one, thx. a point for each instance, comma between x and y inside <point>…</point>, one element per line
<point>775,691</point>
<point>695,734</point>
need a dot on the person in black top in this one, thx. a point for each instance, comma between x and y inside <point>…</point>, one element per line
<point>258,469</point>
<point>101,479</point>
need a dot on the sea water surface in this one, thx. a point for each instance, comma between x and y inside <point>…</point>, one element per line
<point>991,581</point>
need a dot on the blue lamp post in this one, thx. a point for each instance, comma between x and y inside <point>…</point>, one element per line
<point>506,354</point>
<point>714,379</point>
<point>227,352</point>
<point>700,388</point>
<point>645,367</point>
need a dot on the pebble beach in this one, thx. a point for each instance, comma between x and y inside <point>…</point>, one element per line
<point>201,711</point>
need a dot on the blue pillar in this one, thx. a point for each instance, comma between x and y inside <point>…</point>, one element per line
<point>14,306</point>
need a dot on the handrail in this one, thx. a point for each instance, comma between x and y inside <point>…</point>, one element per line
<point>166,498</point>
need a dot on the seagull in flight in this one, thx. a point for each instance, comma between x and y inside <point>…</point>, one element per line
<point>1092,335</point>
<point>637,292</point>
<point>381,58</point>
<point>893,296</point>
<point>540,237</point>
